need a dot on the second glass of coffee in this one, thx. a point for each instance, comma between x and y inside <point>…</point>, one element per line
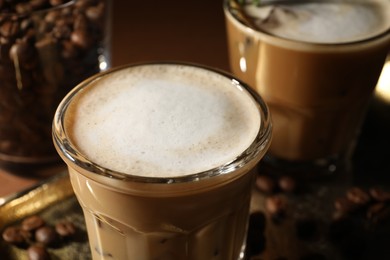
<point>316,64</point>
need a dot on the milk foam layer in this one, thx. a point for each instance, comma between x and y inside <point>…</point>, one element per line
<point>323,22</point>
<point>162,121</point>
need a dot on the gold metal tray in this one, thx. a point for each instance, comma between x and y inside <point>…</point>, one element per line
<point>53,200</point>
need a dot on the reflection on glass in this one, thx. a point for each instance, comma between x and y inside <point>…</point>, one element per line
<point>383,86</point>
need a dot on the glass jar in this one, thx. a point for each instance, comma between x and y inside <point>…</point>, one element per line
<point>46,48</point>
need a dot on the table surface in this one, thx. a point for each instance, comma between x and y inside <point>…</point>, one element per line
<point>194,31</point>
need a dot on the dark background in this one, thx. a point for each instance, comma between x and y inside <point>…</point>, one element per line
<point>183,30</point>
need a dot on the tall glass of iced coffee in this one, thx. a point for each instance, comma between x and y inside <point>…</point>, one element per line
<point>316,64</point>
<point>160,158</point>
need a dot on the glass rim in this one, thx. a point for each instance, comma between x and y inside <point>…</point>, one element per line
<point>228,11</point>
<point>71,155</point>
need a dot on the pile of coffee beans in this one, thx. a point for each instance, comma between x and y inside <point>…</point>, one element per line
<point>372,204</point>
<point>360,223</point>
<point>354,228</point>
<point>34,234</point>
<point>274,189</point>
<point>46,48</point>
<point>268,184</point>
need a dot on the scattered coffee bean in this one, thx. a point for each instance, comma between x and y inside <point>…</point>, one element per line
<point>37,252</point>
<point>339,215</point>
<point>15,235</point>
<point>81,39</point>
<point>57,2</point>
<point>358,195</point>
<point>343,204</point>
<point>265,184</point>
<point>34,234</point>
<point>46,235</point>
<point>381,216</point>
<point>379,194</point>
<point>375,209</point>
<point>65,228</point>
<point>275,205</point>
<point>95,13</point>
<point>287,184</point>
<point>32,223</point>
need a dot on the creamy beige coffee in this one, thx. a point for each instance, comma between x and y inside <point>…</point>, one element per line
<point>315,63</point>
<point>323,22</point>
<point>168,121</point>
<point>161,160</point>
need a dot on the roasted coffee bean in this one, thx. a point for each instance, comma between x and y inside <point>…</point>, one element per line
<point>379,194</point>
<point>265,184</point>
<point>32,223</point>
<point>29,36</point>
<point>23,8</point>
<point>374,210</point>
<point>81,38</point>
<point>38,4</point>
<point>52,17</point>
<point>287,184</point>
<point>26,24</point>
<point>381,216</point>
<point>38,252</point>
<point>358,195</point>
<point>275,204</point>
<point>69,50</point>
<point>80,23</point>
<point>95,13</point>
<point>65,228</point>
<point>46,235</point>
<point>9,29</point>
<point>84,3</point>
<point>339,215</point>
<point>62,31</point>
<point>344,205</point>
<point>15,235</point>
<point>57,2</point>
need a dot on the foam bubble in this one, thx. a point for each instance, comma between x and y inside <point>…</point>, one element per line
<point>323,22</point>
<point>162,121</point>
